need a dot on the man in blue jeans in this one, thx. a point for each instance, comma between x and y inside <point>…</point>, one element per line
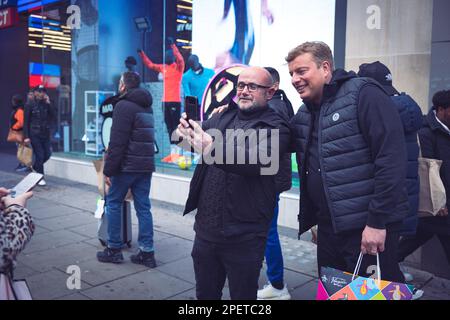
<point>129,164</point>
<point>277,289</point>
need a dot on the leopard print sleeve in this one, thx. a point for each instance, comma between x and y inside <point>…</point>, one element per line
<point>16,229</point>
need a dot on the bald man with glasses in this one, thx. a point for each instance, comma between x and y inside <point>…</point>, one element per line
<point>235,200</point>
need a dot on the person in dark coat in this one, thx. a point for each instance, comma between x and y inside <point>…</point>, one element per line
<point>351,155</point>
<point>129,164</point>
<point>411,117</point>
<point>234,193</point>
<point>276,289</point>
<point>39,116</point>
<point>435,144</point>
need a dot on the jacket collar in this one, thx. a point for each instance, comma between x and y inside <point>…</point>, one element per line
<point>435,124</point>
<point>330,90</point>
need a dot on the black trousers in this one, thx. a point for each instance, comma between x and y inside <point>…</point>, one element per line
<point>41,150</point>
<point>240,262</point>
<point>341,251</point>
<point>172,115</point>
<point>411,243</point>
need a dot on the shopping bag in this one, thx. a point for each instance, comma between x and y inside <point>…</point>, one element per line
<point>6,290</point>
<point>15,136</point>
<point>25,155</point>
<point>339,285</point>
<point>13,289</point>
<point>432,197</point>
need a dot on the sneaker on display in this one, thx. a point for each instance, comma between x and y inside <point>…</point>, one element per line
<point>271,293</point>
<point>145,258</point>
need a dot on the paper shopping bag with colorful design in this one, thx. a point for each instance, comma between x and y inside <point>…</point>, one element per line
<point>339,285</point>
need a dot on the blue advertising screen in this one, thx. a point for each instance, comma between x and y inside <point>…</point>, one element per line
<point>29,5</point>
<point>7,3</point>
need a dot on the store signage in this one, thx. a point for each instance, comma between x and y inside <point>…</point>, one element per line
<point>8,17</point>
<point>8,3</point>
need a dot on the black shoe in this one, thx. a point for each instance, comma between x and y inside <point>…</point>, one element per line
<point>145,258</point>
<point>21,168</point>
<point>110,255</point>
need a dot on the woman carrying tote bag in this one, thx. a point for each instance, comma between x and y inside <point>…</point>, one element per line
<point>435,144</point>
<point>16,124</point>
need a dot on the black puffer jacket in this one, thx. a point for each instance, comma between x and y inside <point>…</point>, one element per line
<point>411,117</point>
<point>435,144</point>
<point>131,148</point>
<point>349,164</point>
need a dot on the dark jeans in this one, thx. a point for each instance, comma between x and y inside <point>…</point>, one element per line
<point>64,108</point>
<point>273,254</point>
<point>140,188</point>
<point>41,150</point>
<point>172,114</point>
<point>409,244</point>
<point>341,252</point>
<point>240,262</point>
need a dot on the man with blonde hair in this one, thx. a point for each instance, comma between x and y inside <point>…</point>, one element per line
<point>351,155</point>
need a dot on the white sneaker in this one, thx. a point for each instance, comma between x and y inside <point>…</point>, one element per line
<point>42,183</point>
<point>271,293</point>
<point>417,294</point>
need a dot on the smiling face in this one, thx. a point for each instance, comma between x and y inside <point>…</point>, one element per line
<point>309,78</point>
<point>252,99</point>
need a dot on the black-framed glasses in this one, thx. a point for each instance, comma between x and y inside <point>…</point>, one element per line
<point>252,87</point>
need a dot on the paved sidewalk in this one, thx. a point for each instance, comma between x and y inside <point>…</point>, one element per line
<point>66,236</point>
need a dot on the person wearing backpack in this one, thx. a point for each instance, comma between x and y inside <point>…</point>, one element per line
<point>411,117</point>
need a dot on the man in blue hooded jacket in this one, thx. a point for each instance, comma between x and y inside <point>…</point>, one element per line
<point>411,117</point>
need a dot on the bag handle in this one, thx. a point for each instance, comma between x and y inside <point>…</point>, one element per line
<point>358,266</point>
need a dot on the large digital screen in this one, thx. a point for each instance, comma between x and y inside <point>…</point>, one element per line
<point>259,32</point>
<point>31,5</point>
<point>48,75</point>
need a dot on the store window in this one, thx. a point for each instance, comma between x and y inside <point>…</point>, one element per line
<point>79,49</point>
